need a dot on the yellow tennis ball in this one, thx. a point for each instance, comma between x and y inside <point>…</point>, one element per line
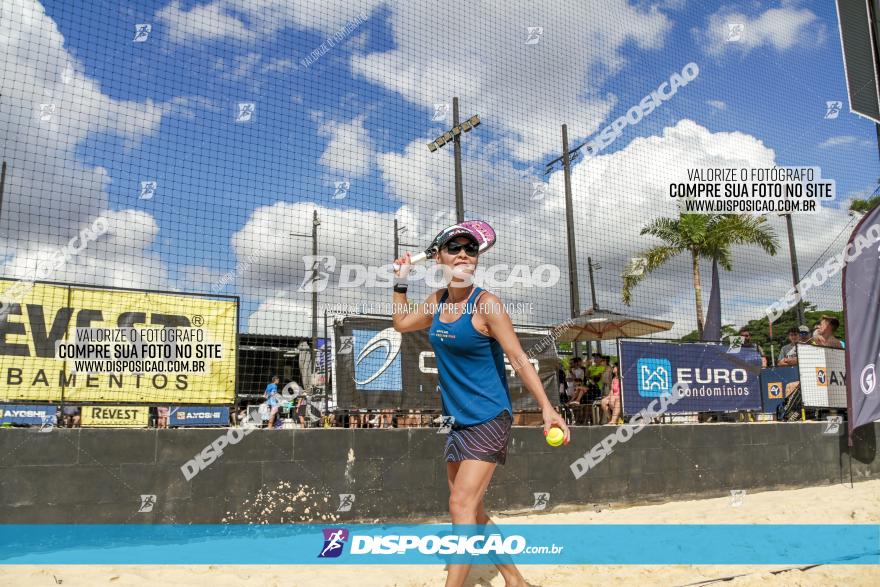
<point>555,436</point>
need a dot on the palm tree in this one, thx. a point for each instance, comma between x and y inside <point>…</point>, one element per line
<point>703,236</point>
<point>858,206</point>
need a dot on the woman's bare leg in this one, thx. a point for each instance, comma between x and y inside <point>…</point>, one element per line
<point>616,412</point>
<point>468,481</point>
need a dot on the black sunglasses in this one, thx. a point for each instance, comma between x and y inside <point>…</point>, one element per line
<point>470,248</point>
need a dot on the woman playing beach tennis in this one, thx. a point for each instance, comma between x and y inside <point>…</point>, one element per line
<point>470,333</point>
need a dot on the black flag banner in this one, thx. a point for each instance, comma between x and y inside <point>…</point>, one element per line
<point>712,327</point>
<point>379,368</point>
<point>861,304</point>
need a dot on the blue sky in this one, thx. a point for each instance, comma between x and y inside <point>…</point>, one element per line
<point>214,174</point>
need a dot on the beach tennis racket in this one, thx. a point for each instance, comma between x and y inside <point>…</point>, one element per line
<point>484,234</point>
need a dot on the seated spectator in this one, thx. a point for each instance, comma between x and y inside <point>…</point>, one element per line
<point>373,419</point>
<point>562,380</point>
<point>788,354</point>
<point>576,371</point>
<point>823,335</point>
<point>357,418</point>
<point>70,416</point>
<point>576,376</point>
<point>611,401</point>
<point>163,417</point>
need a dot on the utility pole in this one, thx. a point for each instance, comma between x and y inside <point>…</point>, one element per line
<point>591,266</point>
<point>795,274</point>
<point>2,184</point>
<point>327,383</point>
<point>315,224</point>
<point>453,135</point>
<point>573,293</point>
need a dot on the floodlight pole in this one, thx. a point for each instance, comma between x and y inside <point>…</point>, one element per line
<point>573,293</point>
<point>453,136</point>
<point>459,187</point>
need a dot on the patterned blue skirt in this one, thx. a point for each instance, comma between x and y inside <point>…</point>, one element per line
<point>480,442</point>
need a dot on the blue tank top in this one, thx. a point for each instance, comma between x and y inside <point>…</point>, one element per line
<point>473,382</point>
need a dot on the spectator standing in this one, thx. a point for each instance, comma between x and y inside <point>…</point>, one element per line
<point>804,334</point>
<point>788,354</point>
<point>746,337</point>
<point>594,376</point>
<point>273,400</point>
<point>607,375</point>
<point>823,335</point>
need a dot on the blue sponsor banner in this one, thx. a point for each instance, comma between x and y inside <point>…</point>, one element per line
<point>719,378</point>
<point>773,382</point>
<point>701,544</point>
<point>34,415</point>
<point>377,361</point>
<point>321,356</point>
<point>199,416</point>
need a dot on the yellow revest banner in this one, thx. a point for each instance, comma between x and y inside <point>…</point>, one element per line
<point>115,416</point>
<point>45,314</point>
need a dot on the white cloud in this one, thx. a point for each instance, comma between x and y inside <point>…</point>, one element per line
<point>278,66</point>
<point>717,104</point>
<point>49,194</point>
<point>118,258</point>
<point>251,20</point>
<point>282,316</point>
<point>239,67</point>
<point>484,65</point>
<point>776,28</point>
<point>201,23</point>
<point>349,152</point>
<point>244,66</point>
<point>844,140</point>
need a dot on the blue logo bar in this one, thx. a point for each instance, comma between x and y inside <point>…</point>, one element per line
<point>655,377</point>
<point>441,544</point>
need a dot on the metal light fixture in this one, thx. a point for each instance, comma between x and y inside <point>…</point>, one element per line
<point>447,137</point>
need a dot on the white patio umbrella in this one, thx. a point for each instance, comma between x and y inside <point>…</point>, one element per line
<point>606,325</point>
